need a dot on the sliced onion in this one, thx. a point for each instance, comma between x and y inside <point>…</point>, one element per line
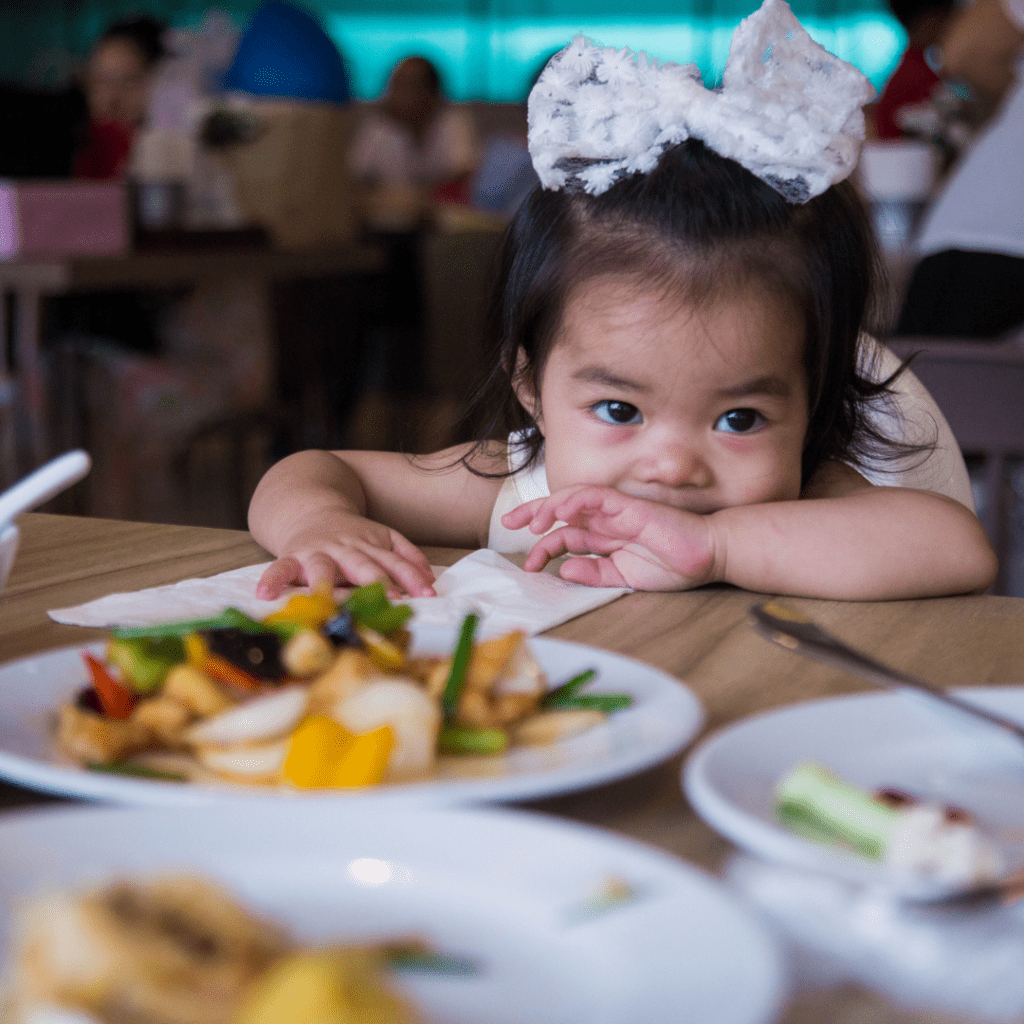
<point>261,718</point>
<point>255,761</point>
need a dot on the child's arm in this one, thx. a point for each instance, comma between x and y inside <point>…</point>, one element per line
<point>844,539</point>
<point>331,516</point>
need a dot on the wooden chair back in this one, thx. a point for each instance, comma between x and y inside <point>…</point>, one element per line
<point>979,386</point>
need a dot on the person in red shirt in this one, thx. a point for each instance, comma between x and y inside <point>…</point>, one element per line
<point>914,79</point>
<point>116,84</point>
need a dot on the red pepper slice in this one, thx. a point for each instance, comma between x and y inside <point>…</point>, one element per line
<point>116,700</point>
<point>198,654</point>
<point>225,672</point>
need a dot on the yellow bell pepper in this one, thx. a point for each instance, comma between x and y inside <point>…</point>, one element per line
<point>315,748</point>
<point>323,754</point>
<point>364,762</point>
<point>384,653</point>
<point>311,610</point>
<point>310,986</point>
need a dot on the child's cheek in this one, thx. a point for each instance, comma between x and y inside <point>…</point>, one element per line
<point>754,476</point>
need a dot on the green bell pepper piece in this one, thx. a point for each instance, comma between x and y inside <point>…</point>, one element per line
<point>145,661</point>
<point>370,606</point>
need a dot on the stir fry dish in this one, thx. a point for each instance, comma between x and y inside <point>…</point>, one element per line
<point>320,694</point>
<point>178,949</point>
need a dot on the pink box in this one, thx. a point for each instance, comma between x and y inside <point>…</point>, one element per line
<point>63,218</point>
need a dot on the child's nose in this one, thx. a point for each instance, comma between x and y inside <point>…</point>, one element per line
<point>677,464</point>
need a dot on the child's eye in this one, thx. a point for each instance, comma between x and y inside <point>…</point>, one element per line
<point>739,421</point>
<point>617,412</point>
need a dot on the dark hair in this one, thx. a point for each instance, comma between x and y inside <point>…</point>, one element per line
<point>699,225</point>
<point>907,12</point>
<point>144,32</point>
<point>431,75</point>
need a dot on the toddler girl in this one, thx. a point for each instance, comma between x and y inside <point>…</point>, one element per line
<point>680,385</point>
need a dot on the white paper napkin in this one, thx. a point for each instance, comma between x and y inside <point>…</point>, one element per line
<point>505,597</point>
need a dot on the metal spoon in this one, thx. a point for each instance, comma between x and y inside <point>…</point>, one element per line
<point>798,633</point>
<point>1004,891</point>
<point>41,485</point>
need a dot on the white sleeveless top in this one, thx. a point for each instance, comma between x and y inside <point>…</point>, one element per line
<point>917,420</point>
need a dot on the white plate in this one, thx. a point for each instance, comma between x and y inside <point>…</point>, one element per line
<point>875,740</point>
<point>665,716</point>
<point>502,888</point>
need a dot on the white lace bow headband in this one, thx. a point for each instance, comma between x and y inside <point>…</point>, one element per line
<point>787,110</point>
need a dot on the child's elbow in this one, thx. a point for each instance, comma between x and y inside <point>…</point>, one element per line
<point>986,568</point>
<point>976,565</point>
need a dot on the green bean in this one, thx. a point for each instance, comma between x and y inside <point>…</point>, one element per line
<point>553,697</point>
<point>467,739</point>
<point>230,618</point>
<point>135,770</point>
<point>597,701</point>
<point>460,662</point>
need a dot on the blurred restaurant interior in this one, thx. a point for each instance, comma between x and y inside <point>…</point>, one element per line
<point>233,285</point>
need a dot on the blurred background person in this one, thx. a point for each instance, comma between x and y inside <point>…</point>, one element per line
<point>414,148</point>
<point>914,79</point>
<point>970,278</point>
<point>410,152</point>
<point>915,102</point>
<point>116,83</point>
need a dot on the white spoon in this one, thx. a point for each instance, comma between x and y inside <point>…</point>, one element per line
<point>41,485</point>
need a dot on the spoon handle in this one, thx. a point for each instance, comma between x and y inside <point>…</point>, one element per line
<point>43,484</point>
<point>796,632</point>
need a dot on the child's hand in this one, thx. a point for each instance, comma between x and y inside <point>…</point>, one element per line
<point>647,545</point>
<point>346,548</point>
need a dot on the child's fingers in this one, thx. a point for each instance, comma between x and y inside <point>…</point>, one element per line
<point>590,506</point>
<point>539,515</point>
<point>521,515</point>
<point>414,579</point>
<point>319,570</point>
<point>571,540</point>
<point>364,563</point>
<point>412,554</point>
<point>362,567</point>
<point>592,572</point>
<point>279,574</point>
<point>569,505</point>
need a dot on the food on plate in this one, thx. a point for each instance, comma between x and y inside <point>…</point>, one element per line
<point>178,949</point>
<point>320,694</point>
<point>917,836</point>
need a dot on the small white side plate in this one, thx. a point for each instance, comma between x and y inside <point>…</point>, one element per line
<point>876,740</point>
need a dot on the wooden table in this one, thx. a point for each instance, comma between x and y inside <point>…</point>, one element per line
<point>701,636</point>
<point>29,281</point>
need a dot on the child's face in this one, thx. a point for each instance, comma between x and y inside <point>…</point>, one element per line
<point>117,82</point>
<point>700,408</point>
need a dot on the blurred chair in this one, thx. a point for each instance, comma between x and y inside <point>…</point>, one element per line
<point>979,386</point>
<point>180,437</point>
<point>458,268</point>
<point>8,440</point>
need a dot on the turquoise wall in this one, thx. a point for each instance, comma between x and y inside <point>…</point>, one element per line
<point>497,59</point>
<point>485,49</point>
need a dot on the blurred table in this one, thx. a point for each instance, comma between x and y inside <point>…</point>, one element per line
<point>29,281</point>
<point>701,636</point>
